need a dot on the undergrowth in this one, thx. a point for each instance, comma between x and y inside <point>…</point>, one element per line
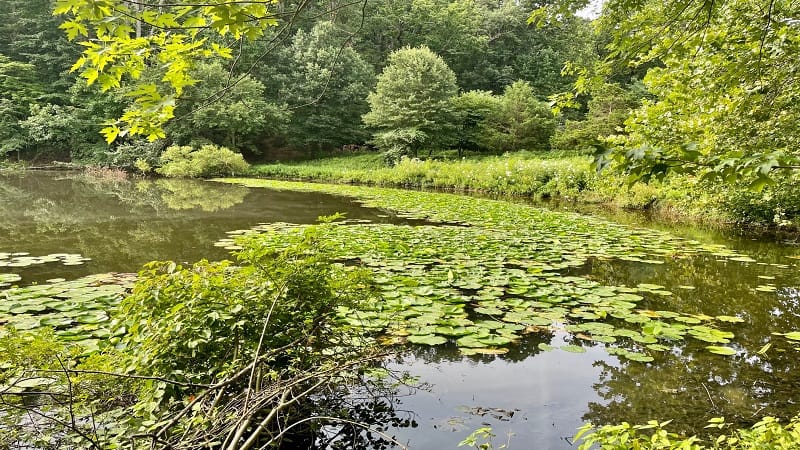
<point>561,175</point>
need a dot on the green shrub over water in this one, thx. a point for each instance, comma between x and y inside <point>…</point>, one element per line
<point>768,433</point>
<point>205,162</point>
<point>197,354</point>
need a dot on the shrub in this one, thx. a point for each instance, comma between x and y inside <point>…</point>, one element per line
<point>473,108</point>
<point>609,107</point>
<point>768,433</point>
<point>207,161</point>
<point>133,155</point>
<point>777,205</point>
<point>520,122</point>
<point>201,322</point>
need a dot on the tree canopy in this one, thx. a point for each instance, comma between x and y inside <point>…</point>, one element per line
<point>724,80</point>
<point>412,103</point>
<point>124,39</point>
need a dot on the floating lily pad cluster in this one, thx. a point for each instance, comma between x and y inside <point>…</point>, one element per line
<point>494,272</point>
<point>77,310</point>
<point>7,278</point>
<point>483,291</point>
<point>23,259</point>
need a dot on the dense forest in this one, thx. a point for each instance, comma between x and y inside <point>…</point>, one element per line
<point>486,72</point>
<point>669,87</point>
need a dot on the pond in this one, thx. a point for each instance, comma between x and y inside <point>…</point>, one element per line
<point>531,397</point>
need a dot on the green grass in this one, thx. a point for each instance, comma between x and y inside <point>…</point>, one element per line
<point>523,174</point>
<point>561,175</point>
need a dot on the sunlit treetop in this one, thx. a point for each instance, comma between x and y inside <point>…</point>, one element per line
<point>122,39</point>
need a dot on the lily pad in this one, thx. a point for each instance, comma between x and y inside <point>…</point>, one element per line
<point>727,351</point>
<point>427,339</point>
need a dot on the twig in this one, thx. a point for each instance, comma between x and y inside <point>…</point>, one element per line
<point>709,396</point>
<point>336,419</point>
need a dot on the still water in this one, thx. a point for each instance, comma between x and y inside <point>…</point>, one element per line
<point>530,398</point>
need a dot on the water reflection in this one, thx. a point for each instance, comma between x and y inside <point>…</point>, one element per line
<point>178,194</point>
<point>687,385</point>
<point>532,402</point>
<point>121,224</point>
<point>539,398</point>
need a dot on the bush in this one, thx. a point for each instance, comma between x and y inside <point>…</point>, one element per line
<point>208,161</point>
<point>768,433</point>
<point>521,121</point>
<point>777,205</point>
<point>610,105</point>
<point>473,108</point>
<point>201,322</point>
<point>130,156</point>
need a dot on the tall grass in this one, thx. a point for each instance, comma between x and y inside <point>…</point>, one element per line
<point>560,175</point>
<point>517,174</point>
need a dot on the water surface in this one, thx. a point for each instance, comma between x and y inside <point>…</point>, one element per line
<point>122,224</point>
<point>532,399</point>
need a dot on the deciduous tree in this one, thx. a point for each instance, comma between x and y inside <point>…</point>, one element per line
<point>412,104</point>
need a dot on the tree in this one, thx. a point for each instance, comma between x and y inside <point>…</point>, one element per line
<point>412,103</point>
<point>29,34</point>
<point>520,122</point>
<point>725,84</point>
<point>122,39</point>
<point>18,90</point>
<point>52,129</point>
<point>327,85</point>
<point>223,112</point>
<point>473,108</point>
<point>609,107</point>
<point>481,40</point>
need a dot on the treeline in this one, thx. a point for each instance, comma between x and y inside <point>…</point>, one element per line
<point>402,76</point>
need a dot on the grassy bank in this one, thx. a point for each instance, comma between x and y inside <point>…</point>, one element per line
<point>519,175</point>
<point>560,175</point>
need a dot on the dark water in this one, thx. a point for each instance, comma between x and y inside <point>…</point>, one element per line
<point>530,398</point>
<point>553,393</point>
<point>122,224</point>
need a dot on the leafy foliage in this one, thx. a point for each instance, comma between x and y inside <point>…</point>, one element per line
<point>52,127</point>
<point>411,106</point>
<point>726,90</point>
<point>766,433</point>
<point>191,345</point>
<point>225,111</point>
<point>609,107</point>
<point>474,109</point>
<point>210,319</point>
<point>207,161</point>
<point>327,83</point>
<point>487,44</point>
<point>18,89</point>
<point>123,39</point>
<point>521,122</point>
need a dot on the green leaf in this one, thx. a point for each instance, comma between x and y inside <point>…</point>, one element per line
<point>573,348</point>
<point>427,339</point>
<point>110,133</point>
<point>793,335</point>
<point>727,351</point>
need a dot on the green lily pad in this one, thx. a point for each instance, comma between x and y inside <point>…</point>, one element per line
<point>427,339</point>
<point>573,348</point>
<point>727,351</point>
